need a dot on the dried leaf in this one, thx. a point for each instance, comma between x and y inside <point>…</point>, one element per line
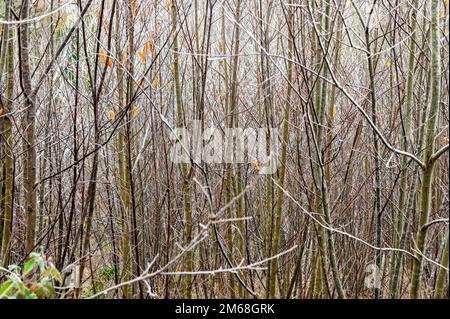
<point>389,63</point>
<point>155,82</point>
<point>112,115</point>
<point>169,5</point>
<point>103,56</point>
<point>141,83</point>
<point>333,111</point>
<point>142,56</point>
<point>135,111</point>
<point>150,46</point>
<point>256,165</point>
<point>135,7</point>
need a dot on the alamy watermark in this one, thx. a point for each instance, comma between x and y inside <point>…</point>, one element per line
<point>214,145</point>
<point>373,278</point>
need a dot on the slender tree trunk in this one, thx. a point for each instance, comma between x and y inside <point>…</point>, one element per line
<point>125,202</point>
<point>326,238</point>
<point>129,183</point>
<point>8,139</point>
<point>279,207</point>
<point>428,159</point>
<point>407,122</point>
<point>442,274</point>
<point>28,142</point>
<point>185,167</point>
<point>377,181</point>
<point>234,110</point>
<point>229,174</point>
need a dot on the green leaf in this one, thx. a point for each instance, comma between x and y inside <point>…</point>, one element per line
<point>6,289</point>
<point>20,286</point>
<point>29,266</point>
<point>32,296</point>
<point>50,289</point>
<point>29,294</point>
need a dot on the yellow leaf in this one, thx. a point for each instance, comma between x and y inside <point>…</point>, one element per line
<point>142,56</point>
<point>150,46</point>
<point>442,14</point>
<point>103,56</point>
<point>348,3</point>
<point>333,111</point>
<point>135,111</point>
<point>58,26</point>
<point>389,63</point>
<point>112,115</point>
<point>256,165</point>
<point>155,82</point>
<point>105,59</point>
<point>2,111</point>
<point>141,83</point>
